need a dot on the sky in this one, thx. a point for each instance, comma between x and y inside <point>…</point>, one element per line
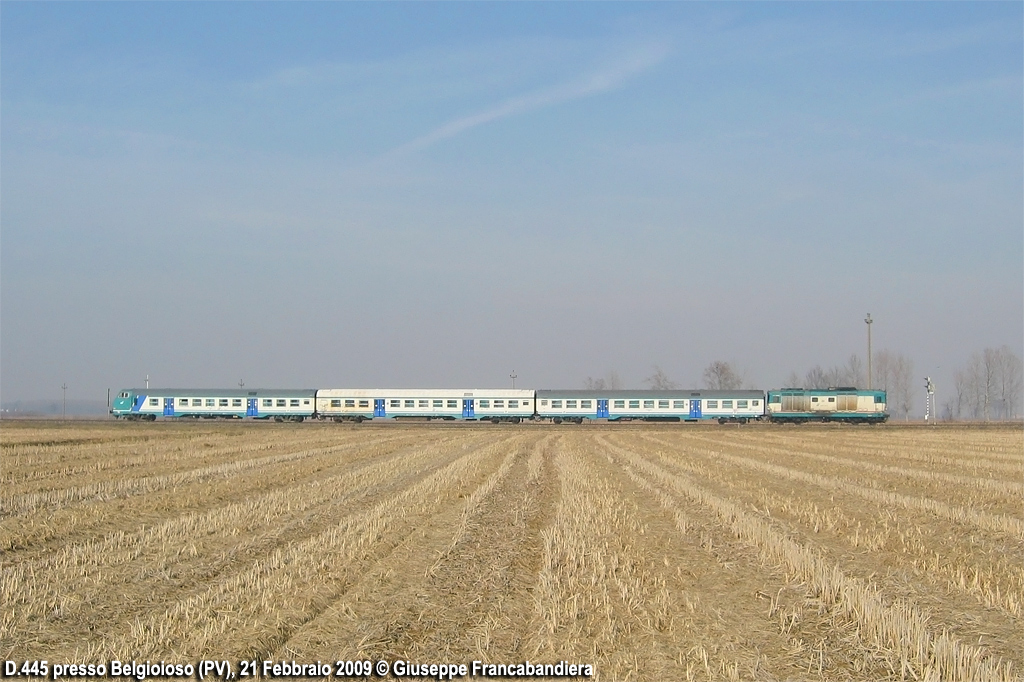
<point>317,195</point>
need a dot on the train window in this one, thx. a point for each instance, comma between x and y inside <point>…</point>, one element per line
<point>485,403</point>
<point>155,402</point>
<point>293,403</point>
<point>831,400</point>
<point>424,403</point>
<point>396,403</point>
<point>280,402</point>
<point>741,404</point>
<point>453,403</point>
<point>438,404</point>
<point>335,402</point>
<point>712,404</point>
<point>556,403</point>
<point>726,403</point>
<point>677,404</point>
<point>634,403</point>
<point>364,403</point>
<point>183,401</point>
<point>775,398</point>
<point>586,403</point>
<point>755,403</point>
<point>619,403</point>
<point>648,403</point>
<point>499,403</point>
<point>196,402</point>
<point>879,399</point>
<point>305,402</point>
<point>267,402</point>
<point>663,404</point>
<point>209,402</point>
<point>410,403</point>
<point>236,402</point>
<point>526,403</point>
<point>350,402</point>
<point>222,402</point>
<point>814,399</point>
<point>513,403</point>
<point>544,403</point>
<point>570,403</point>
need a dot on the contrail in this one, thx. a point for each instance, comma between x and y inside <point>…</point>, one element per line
<point>591,84</point>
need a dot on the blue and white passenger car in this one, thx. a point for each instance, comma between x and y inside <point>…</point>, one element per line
<point>205,403</point>
<point>647,405</point>
<point>487,404</point>
<point>842,404</point>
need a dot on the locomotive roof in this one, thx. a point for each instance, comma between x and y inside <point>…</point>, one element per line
<point>225,392</point>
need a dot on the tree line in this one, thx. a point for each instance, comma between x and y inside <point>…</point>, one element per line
<point>988,387</point>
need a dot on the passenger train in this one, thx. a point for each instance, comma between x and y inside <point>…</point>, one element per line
<point>793,405</point>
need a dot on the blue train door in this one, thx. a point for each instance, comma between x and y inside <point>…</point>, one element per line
<point>602,409</point>
<point>250,408</point>
<point>168,407</point>
<point>695,409</point>
<point>467,409</point>
<point>378,407</point>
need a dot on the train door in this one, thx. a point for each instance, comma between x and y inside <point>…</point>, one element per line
<point>602,408</point>
<point>168,407</point>
<point>250,408</point>
<point>695,409</point>
<point>378,407</point>
<point>467,409</point>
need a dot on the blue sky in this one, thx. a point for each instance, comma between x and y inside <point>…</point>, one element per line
<point>346,194</point>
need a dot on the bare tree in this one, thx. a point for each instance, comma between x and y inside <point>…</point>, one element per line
<point>721,376</point>
<point>793,381</point>
<point>609,382</point>
<point>991,384</point>
<point>816,378</point>
<point>902,390</point>
<point>954,406</point>
<point>1009,381</point>
<point>882,370</point>
<point>659,381</point>
<point>854,375</point>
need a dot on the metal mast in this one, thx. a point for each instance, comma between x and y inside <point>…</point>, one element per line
<point>869,321</point>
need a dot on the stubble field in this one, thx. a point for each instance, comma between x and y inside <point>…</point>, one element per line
<point>655,552</point>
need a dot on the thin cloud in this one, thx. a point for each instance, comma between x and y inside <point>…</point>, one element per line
<point>589,85</point>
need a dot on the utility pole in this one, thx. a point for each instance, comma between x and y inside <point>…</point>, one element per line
<point>513,376</point>
<point>241,384</point>
<point>64,409</point>
<point>869,321</point>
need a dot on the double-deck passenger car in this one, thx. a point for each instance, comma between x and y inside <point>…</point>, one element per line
<point>206,403</point>
<point>841,404</point>
<point>648,405</point>
<point>490,404</point>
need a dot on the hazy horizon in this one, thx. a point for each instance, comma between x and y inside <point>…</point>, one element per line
<point>435,195</point>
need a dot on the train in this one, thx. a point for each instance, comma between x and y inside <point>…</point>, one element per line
<point>787,405</point>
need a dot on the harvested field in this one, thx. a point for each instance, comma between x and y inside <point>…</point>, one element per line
<point>655,552</point>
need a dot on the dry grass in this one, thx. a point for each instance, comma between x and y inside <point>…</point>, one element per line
<point>652,553</point>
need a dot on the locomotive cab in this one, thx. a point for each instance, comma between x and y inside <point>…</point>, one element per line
<point>123,403</point>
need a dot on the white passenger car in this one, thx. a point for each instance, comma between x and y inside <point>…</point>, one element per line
<point>358,404</point>
<point>577,405</point>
